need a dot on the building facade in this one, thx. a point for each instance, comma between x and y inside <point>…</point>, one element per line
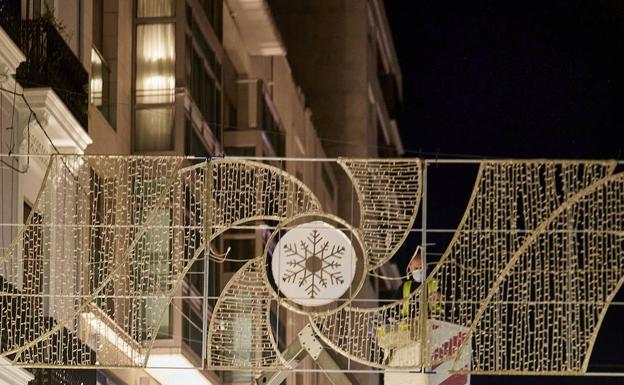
<point>343,56</point>
<point>196,78</point>
<point>43,99</point>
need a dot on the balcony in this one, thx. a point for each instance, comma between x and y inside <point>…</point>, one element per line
<point>49,60</point>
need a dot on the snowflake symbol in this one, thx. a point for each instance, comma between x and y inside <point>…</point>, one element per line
<point>313,264</point>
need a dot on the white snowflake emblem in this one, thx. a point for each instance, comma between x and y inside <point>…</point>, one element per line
<point>313,264</point>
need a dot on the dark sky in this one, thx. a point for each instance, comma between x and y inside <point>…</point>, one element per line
<point>513,79</point>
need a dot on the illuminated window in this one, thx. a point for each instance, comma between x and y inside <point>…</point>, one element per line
<point>155,87</point>
<point>100,82</point>
<point>100,94</point>
<point>155,8</point>
<point>155,66</point>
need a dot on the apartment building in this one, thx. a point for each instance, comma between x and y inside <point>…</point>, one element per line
<point>194,78</point>
<point>343,57</point>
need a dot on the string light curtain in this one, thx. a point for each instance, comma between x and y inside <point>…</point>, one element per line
<point>510,200</point>
<point>527,278</point>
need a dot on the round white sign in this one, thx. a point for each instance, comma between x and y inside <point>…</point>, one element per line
<point>313,264</point>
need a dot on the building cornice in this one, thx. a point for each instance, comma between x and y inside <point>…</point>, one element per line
<point>62,127</point>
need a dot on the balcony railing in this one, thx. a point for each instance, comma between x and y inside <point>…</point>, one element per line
<point>49,60</point>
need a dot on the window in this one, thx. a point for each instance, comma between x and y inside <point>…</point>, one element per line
<point>191,325</point>
<point>272,129</point>
<point>100,83</point>
<point>150,266</point>
<point>242,347</point>
<point>155,8</point>
<point>102,379</point>
<point>278,324</point>
<point>232,116</point>
<point>156,268</point>
<point>193,144</point>
<point>153,129</point>
<point>34,8</point>
<point>155,67</point>
<point>214,13</point>
<point>100,94</point>
<point>203,74</point>
<point>204,80</point>
<point>203,88</point>
<point>194,279</point>
<point>155,85</point>
<point>98,24</point>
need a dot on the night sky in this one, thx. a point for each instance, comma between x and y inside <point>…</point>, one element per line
<point>512,79</point>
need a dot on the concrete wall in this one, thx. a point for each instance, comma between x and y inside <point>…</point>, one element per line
<point>326,45</point>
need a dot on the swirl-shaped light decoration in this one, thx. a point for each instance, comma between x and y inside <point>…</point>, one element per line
<point>108,225</point>
<point>535,262</point>
<point>509,201</point>
<point>553,292</point>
